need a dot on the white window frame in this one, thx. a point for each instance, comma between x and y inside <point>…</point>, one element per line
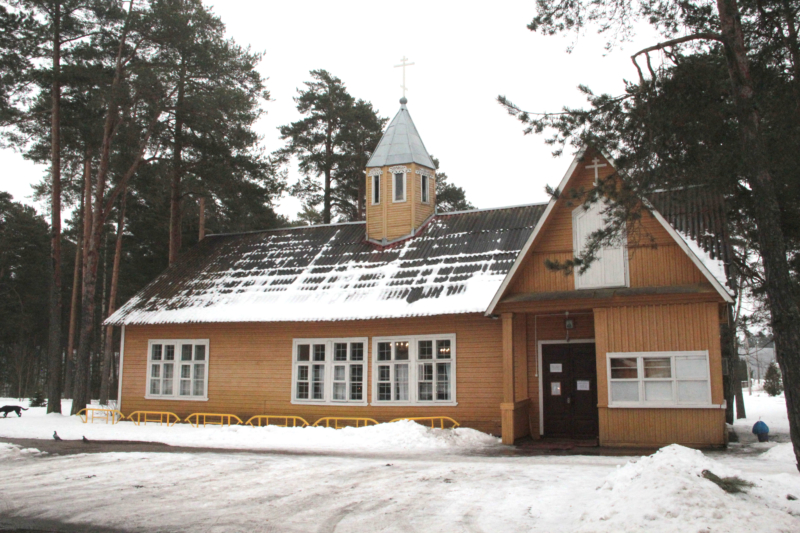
<point>414,362</point>
<point>176,379</point>
<point>329,365</point>
<point>394,187</point>
<point>424,180</point>
<point>641,380</point>
<point>376,187</point>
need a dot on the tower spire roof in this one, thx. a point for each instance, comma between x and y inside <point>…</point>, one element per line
<point>401,143</point>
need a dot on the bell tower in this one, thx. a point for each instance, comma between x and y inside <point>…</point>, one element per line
<point>401,187</point>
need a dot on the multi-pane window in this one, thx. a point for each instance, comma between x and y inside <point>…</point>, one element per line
<point>659,379</point>
<point>376,189</point>
<point>329,371</point>
<point>399,187</point>
<point>178,369</point>
<point>425,182</point>
<point>415,370</point>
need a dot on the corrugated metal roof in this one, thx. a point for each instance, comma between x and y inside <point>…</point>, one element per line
<point>324,273</point>
<point>400,144</point>
<point>699,214</point>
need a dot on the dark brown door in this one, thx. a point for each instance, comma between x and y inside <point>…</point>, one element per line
<point>569,380</point>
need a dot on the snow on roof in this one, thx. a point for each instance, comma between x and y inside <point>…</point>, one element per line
<point>400,144</point>
<point>326,273</point>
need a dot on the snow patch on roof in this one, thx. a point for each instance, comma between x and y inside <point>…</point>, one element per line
<point>330,273</point>
<point>715,266</point>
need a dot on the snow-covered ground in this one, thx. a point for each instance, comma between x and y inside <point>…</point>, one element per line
<point>393,477</point>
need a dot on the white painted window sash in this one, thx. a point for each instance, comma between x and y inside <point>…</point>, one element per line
<point>641,380</point>
<point>177,363</point>
<point>376,189</point>
<point>329,370</point>
<point>404,182</point>
<point>413,370</point>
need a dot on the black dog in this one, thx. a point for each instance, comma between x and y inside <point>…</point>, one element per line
<point>11,409</point>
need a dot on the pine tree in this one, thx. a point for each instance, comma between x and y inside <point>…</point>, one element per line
<point>449,197</point>
<point>334,142</point>
<point>745,138</point>
<point>772,380</point>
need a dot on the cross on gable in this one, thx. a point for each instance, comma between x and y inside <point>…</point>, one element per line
<point>404,64</point>
<point>597,165</point>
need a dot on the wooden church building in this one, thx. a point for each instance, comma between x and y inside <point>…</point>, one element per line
<point>419,313</point>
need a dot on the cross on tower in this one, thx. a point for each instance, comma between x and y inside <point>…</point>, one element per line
<point>596,166</point>
<point>404,64</point>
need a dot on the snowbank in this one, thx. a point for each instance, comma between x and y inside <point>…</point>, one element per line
<point>403,436</point>
<point>666,492</point>
<point>783,453</point>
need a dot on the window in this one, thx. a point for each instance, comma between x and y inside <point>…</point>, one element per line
<point>376,189</point>
<point>425,188</point>
<point>417,370</point>
<point>328,371</point>
<point>178,369</point>
<point>399,184</point>
<point>659,379</point>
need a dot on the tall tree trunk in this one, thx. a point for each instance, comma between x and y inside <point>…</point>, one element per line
<point>92,244</point>
<point>326,209</point>
<point>175,214</point>
<point>108,355</point>
<point>100,211</point>
<point>54,346</point>
<point>785,315</point>
<point>76,275</point>
<point>201,223</point>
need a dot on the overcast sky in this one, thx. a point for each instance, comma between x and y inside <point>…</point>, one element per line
<point>465,55</point>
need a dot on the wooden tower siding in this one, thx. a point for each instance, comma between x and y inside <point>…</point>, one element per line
<point>668,322</point>
<point>394,220</point>
<point>250,368</point>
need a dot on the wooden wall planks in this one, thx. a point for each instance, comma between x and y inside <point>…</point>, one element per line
<point>660,328</point>
<point>250,367</point>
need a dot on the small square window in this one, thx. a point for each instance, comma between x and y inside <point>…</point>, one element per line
<point>303,352</point>
<point>401,351</point>
<point>156,352</point>
<point>624,368</point>
<point>356,351</point>
<point>425,350</point>
<point>319,352</point>
<point>443,349</point>
<point>340,351</point>
<point>186,352</point>
<point>384,351</point>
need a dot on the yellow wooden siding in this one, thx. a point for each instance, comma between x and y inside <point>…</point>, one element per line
<point>656,427</point>
<point>676,327</point>
<point>663,265</point>
<point>392,219</point>
<point>250,367</point>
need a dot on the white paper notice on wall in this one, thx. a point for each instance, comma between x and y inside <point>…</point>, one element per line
<point>555,388</point>
<point>555,367</point>
<point>582,385</point>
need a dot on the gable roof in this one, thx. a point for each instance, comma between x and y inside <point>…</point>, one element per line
<point>329,272</point>
<point>700,235</point>
<point>400,144</point>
